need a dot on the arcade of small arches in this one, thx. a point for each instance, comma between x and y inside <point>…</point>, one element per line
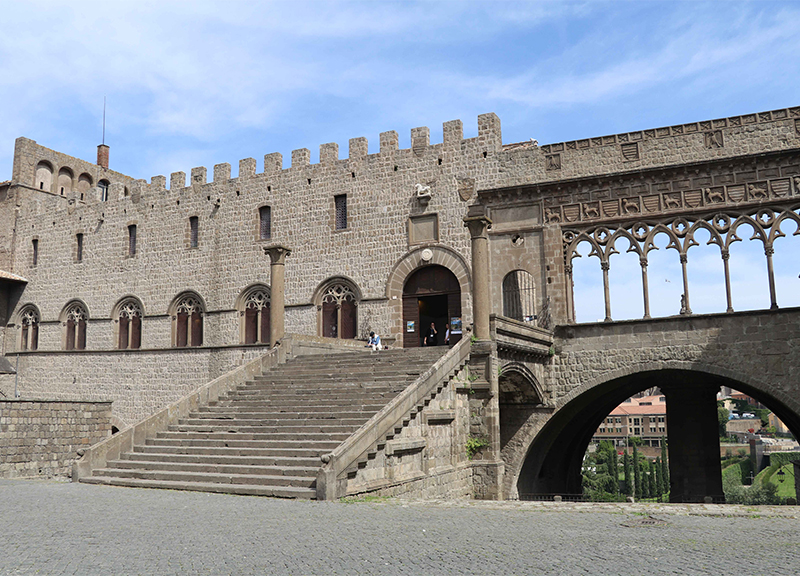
<point>722,228</point>
<point>65,182</point>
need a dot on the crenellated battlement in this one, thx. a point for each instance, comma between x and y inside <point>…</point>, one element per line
<point>489,139</point>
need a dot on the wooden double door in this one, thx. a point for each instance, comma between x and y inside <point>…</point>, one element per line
<point>431,295</point>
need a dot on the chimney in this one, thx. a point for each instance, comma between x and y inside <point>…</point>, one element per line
<point>102,156</point>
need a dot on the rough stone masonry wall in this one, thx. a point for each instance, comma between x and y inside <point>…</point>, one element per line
<point>380,190</point>
<point>41,437</point>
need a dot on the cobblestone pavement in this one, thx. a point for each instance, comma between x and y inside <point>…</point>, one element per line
<point>49,527</point>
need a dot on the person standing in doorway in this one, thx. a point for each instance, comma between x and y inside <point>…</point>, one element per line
<point>432,337</point>
<point>447,335</point>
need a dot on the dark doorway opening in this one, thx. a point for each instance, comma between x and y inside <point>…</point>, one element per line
<point>431,294</point>
<point>433,310</point>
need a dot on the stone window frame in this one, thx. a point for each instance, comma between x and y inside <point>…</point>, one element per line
<point>80,247</point>
<point>74,319</point>
<point>526,293</point>
<point>187,302</point>
<point>128,306</point>
<point>193,232</point>
<point>334,211</point>
<point>252,298</point>
<point>28,338</point>
<point>103,188</point>
<point>412,240</point>
<point>133,244</point>
<point>260,237</point>
<point>325,292</point>
<point>68,173</point>
<point>34,252</point>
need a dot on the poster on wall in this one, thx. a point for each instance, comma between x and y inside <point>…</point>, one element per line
<point>410,326</point>
<point>455,325</point>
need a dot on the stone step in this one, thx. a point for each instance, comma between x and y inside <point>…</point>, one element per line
<point>290,397</point>
<point>241,489</point>
<point>288,427</point>
<point>277,414</point>
<point>270,437</point>
<point>266,408</point>
<point>275,421</point>
<point>301,451</point>
<point>208,477</point>
<point>263,444</point>
<point>215,459</point>
<point>215,468</point>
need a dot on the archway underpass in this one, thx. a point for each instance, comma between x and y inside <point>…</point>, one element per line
<point>598,366</point>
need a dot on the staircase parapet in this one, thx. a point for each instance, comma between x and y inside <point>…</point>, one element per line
<point>330,481</point>
<point>519,336</point>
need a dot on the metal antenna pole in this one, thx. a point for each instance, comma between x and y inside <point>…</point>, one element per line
<point>104,120</point>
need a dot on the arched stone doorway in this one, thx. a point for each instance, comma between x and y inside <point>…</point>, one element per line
<point>431,295</point>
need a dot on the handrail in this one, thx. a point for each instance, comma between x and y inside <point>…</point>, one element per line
<point>343,456</point>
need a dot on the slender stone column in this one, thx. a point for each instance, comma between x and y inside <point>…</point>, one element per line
<point>479,224</point>
<point>693,435</point>
<point>277,256</point>
<point>773,298</point>
<point>604,266</point>
<point>570,291</point>
<point>645,289</point>
<point>726,255</point>
<point>685,308</point>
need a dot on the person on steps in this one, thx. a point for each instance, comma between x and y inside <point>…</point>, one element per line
<point>374,342</point>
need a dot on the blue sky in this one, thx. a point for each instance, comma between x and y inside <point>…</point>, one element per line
<point>199,83</point>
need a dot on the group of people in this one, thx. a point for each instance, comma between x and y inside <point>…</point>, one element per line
<point>431,338</point>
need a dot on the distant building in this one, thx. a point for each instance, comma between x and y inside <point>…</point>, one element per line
<point>643,417</point>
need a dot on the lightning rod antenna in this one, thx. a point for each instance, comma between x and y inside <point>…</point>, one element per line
<point>104,119</point>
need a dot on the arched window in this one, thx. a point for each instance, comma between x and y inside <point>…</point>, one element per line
<point>129,319</point>
<point>64,182</point>
<point>338,306</point>
<point>519,296</point>
<point>188,321</point>
<point>44,176</point>
<point>74,320</point>
<point>254,313</point>
<point>29,328</point>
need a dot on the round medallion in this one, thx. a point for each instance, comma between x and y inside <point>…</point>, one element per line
<point>427,255</point>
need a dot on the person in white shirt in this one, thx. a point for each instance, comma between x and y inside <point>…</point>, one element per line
<point>374,342</point>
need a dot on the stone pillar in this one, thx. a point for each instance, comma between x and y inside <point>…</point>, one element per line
<point>693,436</point>
<point>488,469</point>
<point>479,224</point>
<point>796,470</point>
<point>277,256</point>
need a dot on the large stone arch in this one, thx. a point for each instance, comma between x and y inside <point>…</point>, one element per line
<point>586,405</point>
<point>413,261</point>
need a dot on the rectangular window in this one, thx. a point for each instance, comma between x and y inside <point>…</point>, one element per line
<point>194,229</point>
<point>132,240</point>
<point>35,245</point>
<point>340,204</point>
<point>265,223</point>
<point>79,247</point>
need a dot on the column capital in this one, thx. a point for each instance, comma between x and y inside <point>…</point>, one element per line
<point>478,221</point>
<point>277,253</point>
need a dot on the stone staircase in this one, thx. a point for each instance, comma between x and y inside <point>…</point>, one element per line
<point>266,436</point>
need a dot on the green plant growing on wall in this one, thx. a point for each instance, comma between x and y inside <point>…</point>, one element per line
<point>475,444</point>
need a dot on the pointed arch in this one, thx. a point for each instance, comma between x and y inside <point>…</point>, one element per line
<point>337,300</point>
<point>187,311</point>
<point>253,305</point>
<point>127,318</point>
<point>28,319</point>
<point>74,318</point>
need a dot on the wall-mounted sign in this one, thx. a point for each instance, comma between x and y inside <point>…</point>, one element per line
<point>410,326</point>
<point>455,325</point>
